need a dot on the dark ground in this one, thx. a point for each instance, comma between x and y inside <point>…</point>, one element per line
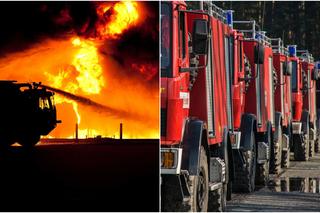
<point>297,189</point>
<point>81,177</point>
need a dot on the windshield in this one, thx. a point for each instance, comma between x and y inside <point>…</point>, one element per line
<point>294,82</point>
<point>165,55</point>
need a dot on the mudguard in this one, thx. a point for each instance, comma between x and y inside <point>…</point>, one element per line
<point>305,121</point>
<point>278,124</point>
<point>278,120</point>
<point>227,153</point>
<point>248,122</point>
<point>191,143</point>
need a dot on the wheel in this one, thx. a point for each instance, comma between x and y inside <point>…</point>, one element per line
<point>285,161</point>
<point>199,186</point>
<point>29,141</point>
<point>245,174</point>
<point>275,164</point>
<point>311,148</point>
<point>301,147</point>
<point>262,174</point>
<point>217,200</point>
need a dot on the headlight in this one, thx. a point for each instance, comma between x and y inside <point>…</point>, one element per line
<point>168,159</point>
<point>171,160</point>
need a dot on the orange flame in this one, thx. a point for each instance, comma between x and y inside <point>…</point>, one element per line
<point>114,20</point>
<point>89,77</point>
<point>75,65</point>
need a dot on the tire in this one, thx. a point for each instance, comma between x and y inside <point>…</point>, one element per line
<point>199,186</point>
<point>217,200</point>
<point>275,164</point>
<point>29,141</point>
<point>311,148</point>
<point>285,159</point>
<point>301,147</point>
<point>262,173</point>
<point>316,146</point>
<point>245,174</point>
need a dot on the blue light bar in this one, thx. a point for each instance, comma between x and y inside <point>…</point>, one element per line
<point>318,65</point>
<point>258,36</point>
<point>292,50</point>
<point>229,17</point>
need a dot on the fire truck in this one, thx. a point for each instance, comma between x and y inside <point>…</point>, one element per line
<point>304,77</point>
<point>196,157</point>
<point>309,99</point>
<point>27,112</point>
<point>253,149</point>
<point>283,106</point>
<point>317,143</point>
<point>212,138</point>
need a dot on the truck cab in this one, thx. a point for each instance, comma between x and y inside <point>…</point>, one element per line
<point>27,113</point>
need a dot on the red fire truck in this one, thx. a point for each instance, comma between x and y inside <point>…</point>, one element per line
<point>253,149</point>
<point>283,106</point>
<point>304,126</point>
<point>196,156</point>
<point>317,143</point>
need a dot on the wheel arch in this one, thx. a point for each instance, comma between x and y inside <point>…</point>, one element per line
<point>191,142</point>
<point>248,125</point>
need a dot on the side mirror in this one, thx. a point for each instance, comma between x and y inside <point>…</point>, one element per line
<point>316,74</point>
<point>200,37</point>
<point>258,54</point>
<point>287,69</point>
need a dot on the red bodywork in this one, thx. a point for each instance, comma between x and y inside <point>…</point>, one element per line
<point>263,84</point>
<point>296,89</point>
<point>282,96</point>
<point>173,89</point>
<point>238,86</point>
<point>309,100</point>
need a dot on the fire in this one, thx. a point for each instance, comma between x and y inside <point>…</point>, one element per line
<point>114,20</point>
<point>89,73</point>
<point>78,65</point>
<point>86,62</point>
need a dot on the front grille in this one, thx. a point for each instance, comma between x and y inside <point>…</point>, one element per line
<point>163,120</point>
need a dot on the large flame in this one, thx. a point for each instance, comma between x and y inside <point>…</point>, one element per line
<point>76,65</point>
<point>117,18</point>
